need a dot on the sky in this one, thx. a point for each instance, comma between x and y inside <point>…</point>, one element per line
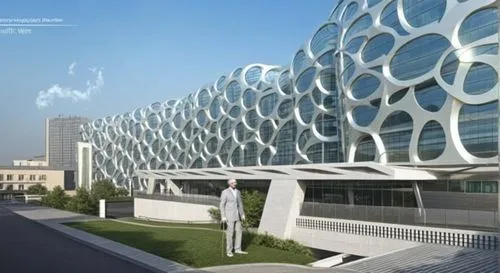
<point>115,56</point>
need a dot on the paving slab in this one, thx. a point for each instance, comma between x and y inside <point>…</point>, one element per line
<point>269,268</point>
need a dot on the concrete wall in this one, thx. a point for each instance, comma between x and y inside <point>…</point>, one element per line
<point>282,207</point>
<point>171,211</point>
<point>348,243</point>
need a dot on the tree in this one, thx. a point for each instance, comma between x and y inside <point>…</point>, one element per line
<point>82,202</point>
<point>57,198</point>
<point>103,189</point>
<point>253,203</point>
<point>120,192</point>
<point>37,189</point>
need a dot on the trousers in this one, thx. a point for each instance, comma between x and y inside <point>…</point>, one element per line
<point>232,228</point>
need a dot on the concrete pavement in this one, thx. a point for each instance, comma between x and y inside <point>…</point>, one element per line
<point>27,246</point>
<point>53,219</point>
<point>133,259</point>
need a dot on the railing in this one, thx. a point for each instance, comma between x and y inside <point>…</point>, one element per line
<point>462,238</point>
<point>446,218</point>
<point>185,198</point>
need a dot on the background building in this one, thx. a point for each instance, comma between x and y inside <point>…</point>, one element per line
<point>19,179</point>
<point>397,99</point>
<point>62,135</point>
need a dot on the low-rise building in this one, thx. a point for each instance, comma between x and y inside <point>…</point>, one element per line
<point>20,178</point>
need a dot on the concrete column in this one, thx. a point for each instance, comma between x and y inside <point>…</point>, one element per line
<point>162,187</point>
<point>102,208</point>
<point>350,194</point>
<point>151,184</point>
<point>282,207</point>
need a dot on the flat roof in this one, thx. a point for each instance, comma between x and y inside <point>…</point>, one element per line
<point>331,171</point>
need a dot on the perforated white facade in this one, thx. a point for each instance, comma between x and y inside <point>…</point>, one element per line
<point>389,81</point>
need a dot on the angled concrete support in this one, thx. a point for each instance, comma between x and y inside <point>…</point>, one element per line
<point>282,207</point>
<point>421,209</point>
<point>173,188</point>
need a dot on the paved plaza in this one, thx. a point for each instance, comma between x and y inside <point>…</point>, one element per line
<point>37,235</point>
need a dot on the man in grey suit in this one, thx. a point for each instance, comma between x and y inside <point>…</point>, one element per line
<point>232,213</point>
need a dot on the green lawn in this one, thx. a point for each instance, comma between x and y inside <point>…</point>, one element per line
<point>170,224</point>
<point>197,248</point>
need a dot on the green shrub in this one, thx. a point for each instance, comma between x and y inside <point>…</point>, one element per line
<point>121,192</point>
<point>253,203</point>
<point>56,198</point>
<point>103,189</point>
<point>82,202</point>
<point>214,214</point>
<point>276,243</point>
<point>37,189</point>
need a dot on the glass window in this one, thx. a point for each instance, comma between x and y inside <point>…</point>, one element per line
<point>432,141</point>
<point>249,98</point>
<point>233,92</point>
<point>418,56</point>
<point>349,12</point>
<point>204,97</point>
<point>396,133</point>
<point>361,24</point>
<point>430,96</point>
<point>201,118</point>
<point>9,177</point>
<point>285,109</point>
<point>326,125</point>
<point>398,96</point>
<point>21,177</point>
<point>355,44</point>
<point>328,79</point>
<point>489,186</point>
<point>480,79</point>
<point>478,25</point>
<point>215,108</point>
<point>285,144</point>
<point>1,177</point>
<point>325,35</point>
<point>253,75</point>
<point>364,86</point>
<point>377,46</point>
<point>265,156</point>
<point>220,85</point>
<point>285,83</point>
<point>474,186</point>
<point>390,18</point>
<point>456,186</point>
<point>305,80</point>
<point>366,149</point>
<point>271,75</point>
<point>419,13</point>
<point>250,154</point>
<point>348,68</point>
<point>298,62</point>
<point>327,59</point>
<point>364,115</point>
<point>478,129</point>
<point>267,104</point>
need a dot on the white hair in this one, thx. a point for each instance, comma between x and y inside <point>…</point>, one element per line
<point>231,180</point>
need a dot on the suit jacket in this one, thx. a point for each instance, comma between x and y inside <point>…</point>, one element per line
<point>230,207</point>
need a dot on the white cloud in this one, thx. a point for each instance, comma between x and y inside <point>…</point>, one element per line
<point>71,68</point>
<point>46,97</point>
